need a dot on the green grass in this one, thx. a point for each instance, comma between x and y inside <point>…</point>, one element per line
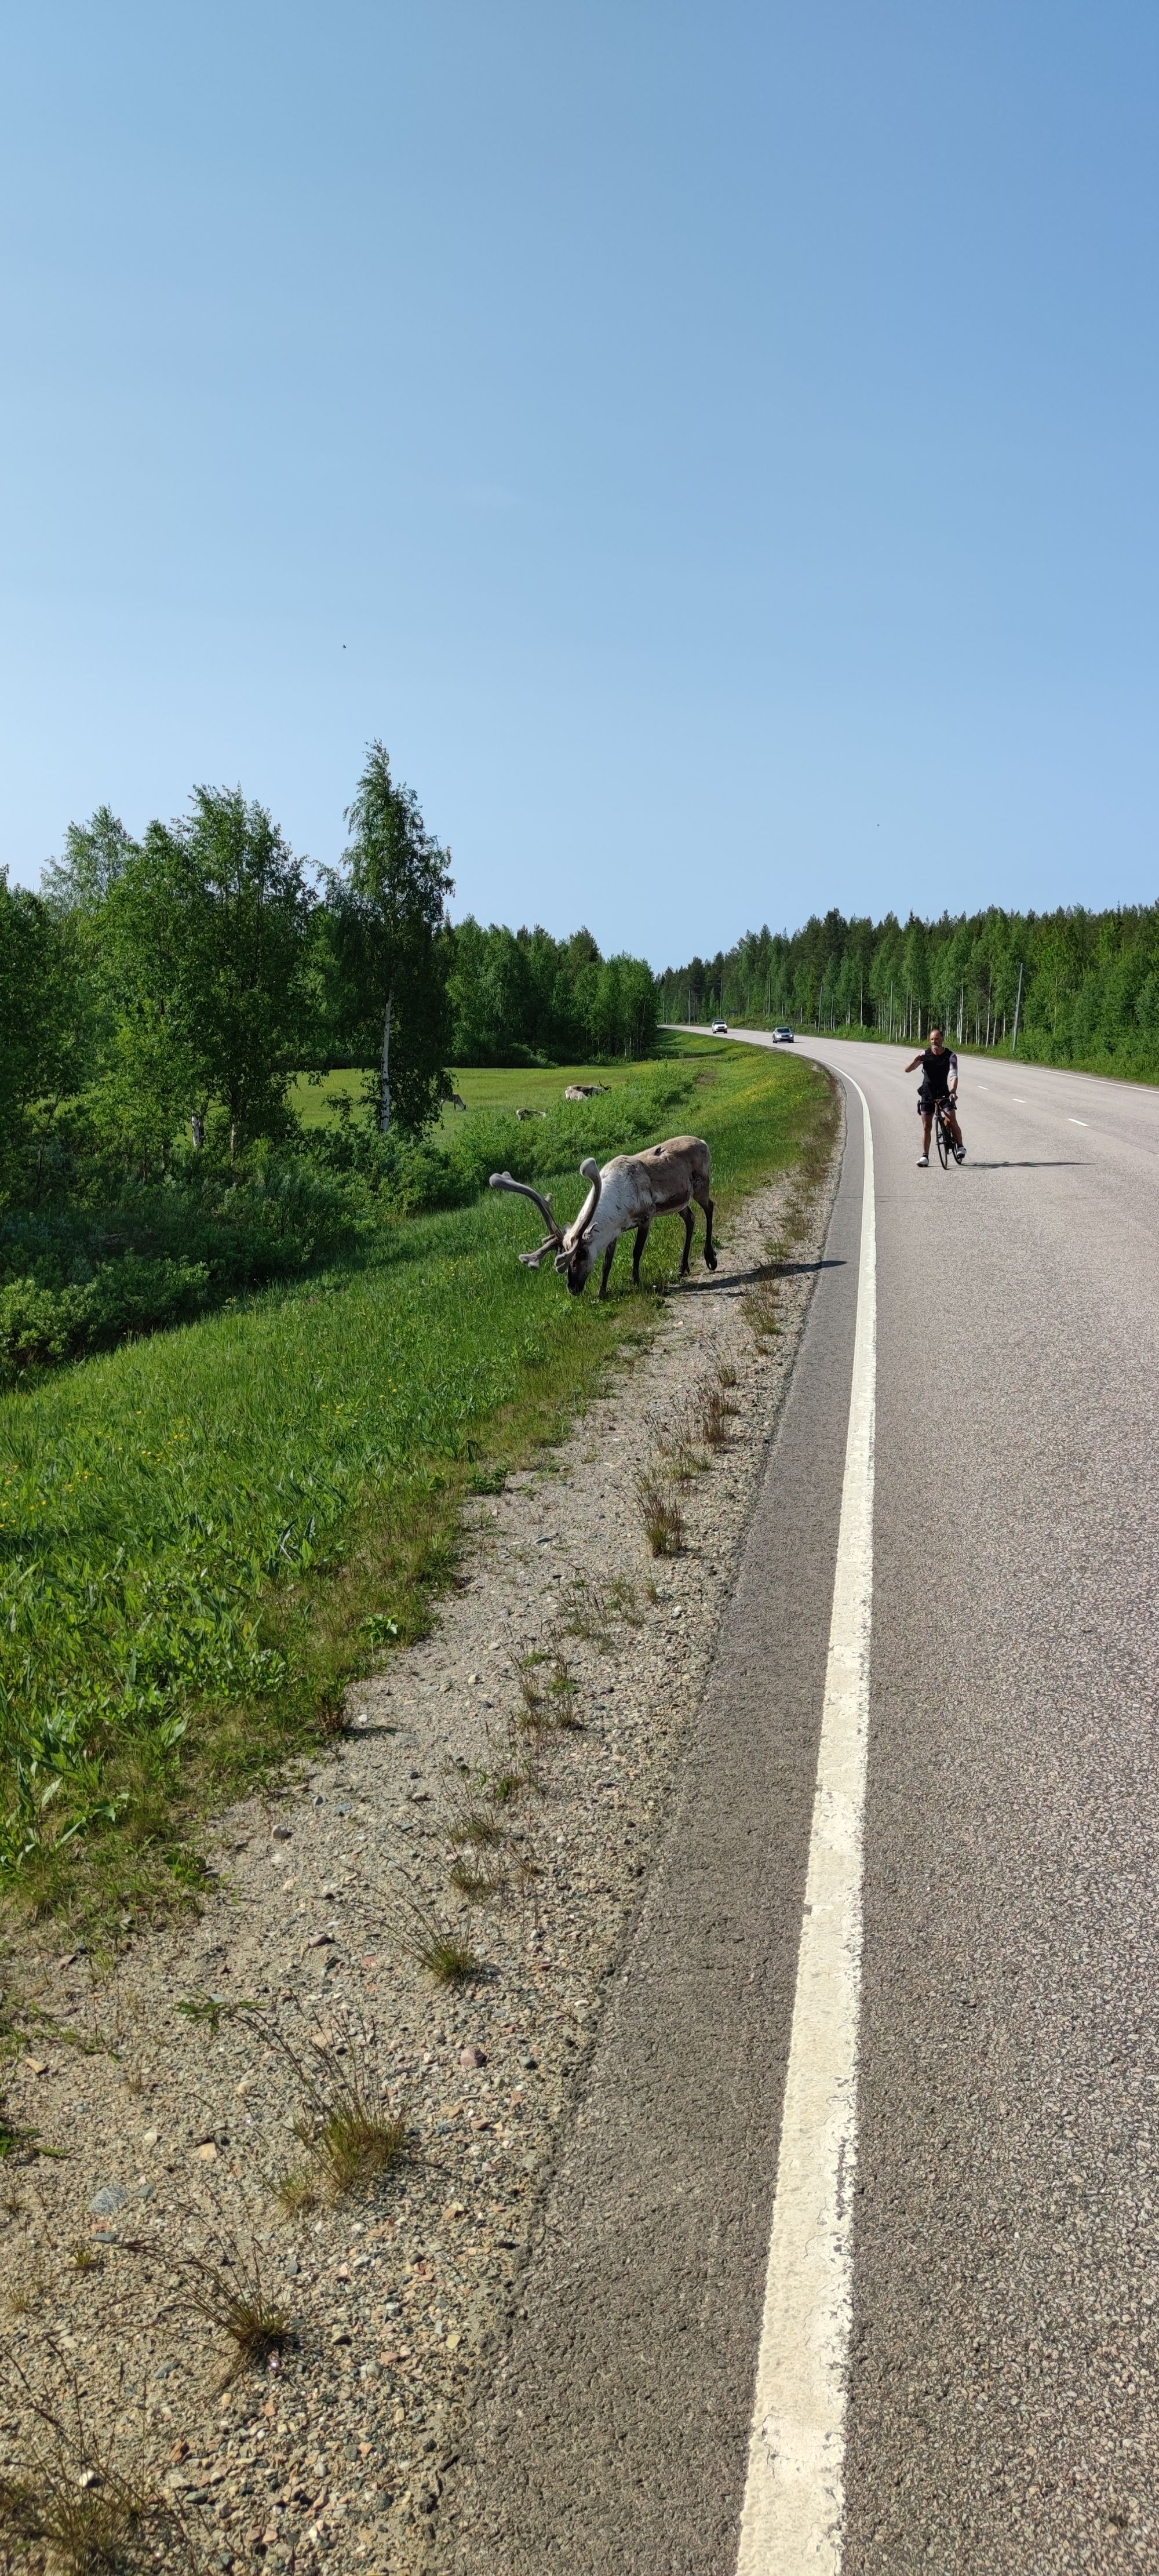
<point>204,1537</point>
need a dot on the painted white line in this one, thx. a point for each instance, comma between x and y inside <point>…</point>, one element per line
<point>791,2518</point>
<point>1078,1122</point>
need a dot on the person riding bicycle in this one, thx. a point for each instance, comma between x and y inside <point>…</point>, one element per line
<point>939,1066</point>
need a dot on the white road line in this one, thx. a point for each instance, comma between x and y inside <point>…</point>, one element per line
<point>791,2518</point>
<point>1078,1122</point>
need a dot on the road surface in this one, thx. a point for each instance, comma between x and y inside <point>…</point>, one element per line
<point>920,2329</point>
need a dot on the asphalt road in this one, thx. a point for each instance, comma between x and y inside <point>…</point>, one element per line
<point>1003,2408</point>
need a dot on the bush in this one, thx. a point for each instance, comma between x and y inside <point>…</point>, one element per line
<point>42,1326</point>
<point>79,1279</point>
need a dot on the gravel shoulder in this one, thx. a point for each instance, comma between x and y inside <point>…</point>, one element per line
<point>529,1746</point>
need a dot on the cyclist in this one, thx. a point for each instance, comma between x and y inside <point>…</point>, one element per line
<point>939,1066</point>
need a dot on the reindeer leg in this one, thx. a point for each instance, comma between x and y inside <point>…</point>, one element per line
<point>609,1257</point>
<point>709,1246</point>
<point>686,1213</point>
<point>642,1234</point>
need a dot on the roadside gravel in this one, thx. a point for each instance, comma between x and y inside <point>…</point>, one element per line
<point>529,1742</point>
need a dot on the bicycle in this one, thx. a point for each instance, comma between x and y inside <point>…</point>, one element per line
<point>947,1150</point>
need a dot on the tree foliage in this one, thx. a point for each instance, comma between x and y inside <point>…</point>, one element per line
<point>522,996</point>
<point>387,907</point>
<point>42,1031</point>
<point>160,995</point>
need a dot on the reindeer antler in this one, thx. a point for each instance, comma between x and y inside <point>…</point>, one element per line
<point>523,1190</point>
<point>532,1260</point>
<point>589,1171</point>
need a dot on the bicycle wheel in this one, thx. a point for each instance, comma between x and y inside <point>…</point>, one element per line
<point>943,1141</point>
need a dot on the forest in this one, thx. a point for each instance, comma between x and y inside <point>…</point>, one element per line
<point>1069,987</point>
<point>162,1000</point>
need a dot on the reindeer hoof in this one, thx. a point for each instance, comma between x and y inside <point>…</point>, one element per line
<point>710,1257</point>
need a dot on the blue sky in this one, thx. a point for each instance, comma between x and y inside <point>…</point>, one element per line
<point>714,447</point>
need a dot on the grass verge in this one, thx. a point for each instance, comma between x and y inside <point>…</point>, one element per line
<point>206,1537</point>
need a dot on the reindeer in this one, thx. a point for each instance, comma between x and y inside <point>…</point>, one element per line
<point>631,1190</point>
<point>585,1090</point>
<point>457,1101</point>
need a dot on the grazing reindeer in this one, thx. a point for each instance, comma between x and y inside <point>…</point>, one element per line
<point>457,1100</point>
<point>585,1090</point>
<point>630,1191</point>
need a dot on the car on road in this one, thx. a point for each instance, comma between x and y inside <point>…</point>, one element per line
<point>720,1028</point>
<point>782,1037</point>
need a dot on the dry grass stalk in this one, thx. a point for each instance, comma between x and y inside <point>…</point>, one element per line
<point>547,1689</point>
<point>85,2257</point>
<point>677,1442</point>
<point>436,1945</point>
<point>73,2499</point>
<point>597,1612</point>
<point>224,2282</point>
<point>477,1886</point>
<point>353,2129</point>
<point>760,1309</point>
<point>298,2192</point>
<point>661,1515</point>
<point>716,1416</point>
<point>480,1827</point>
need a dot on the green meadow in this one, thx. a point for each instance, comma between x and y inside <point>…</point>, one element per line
<point>205,1536</point>
<point>497,1089</point>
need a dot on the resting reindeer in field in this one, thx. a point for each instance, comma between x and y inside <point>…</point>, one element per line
<point>630,1191</point>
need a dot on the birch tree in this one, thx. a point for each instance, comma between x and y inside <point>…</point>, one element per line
<point>389,908</point>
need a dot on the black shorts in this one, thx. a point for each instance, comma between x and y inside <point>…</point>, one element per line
<point>928,1102</point>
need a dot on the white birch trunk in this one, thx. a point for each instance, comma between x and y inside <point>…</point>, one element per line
<point>384,1091</point>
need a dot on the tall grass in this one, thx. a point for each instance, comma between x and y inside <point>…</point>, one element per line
<point>203,1537</point>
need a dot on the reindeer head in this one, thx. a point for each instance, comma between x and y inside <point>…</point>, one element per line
<point>575,1252</point>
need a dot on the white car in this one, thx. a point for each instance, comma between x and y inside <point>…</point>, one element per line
<point>782,1037</point>
<point>720,1028</point>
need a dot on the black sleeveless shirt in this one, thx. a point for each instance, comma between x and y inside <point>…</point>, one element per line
<point>936,1071</point>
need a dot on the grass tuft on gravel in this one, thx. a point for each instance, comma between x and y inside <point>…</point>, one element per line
<point>444,1952</point>
<point>207,1536</point>
<point>661,1515</point>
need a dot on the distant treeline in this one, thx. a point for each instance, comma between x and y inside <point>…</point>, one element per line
<point>519,995</point>
<point>1084,986</point>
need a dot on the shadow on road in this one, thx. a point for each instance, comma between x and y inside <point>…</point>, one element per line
<point>760,1270</point>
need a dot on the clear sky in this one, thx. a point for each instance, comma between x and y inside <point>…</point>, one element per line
<point>714,446</point>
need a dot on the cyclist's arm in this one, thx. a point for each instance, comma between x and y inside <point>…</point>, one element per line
<point>953,1075</point>
<point>912,1068</point>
